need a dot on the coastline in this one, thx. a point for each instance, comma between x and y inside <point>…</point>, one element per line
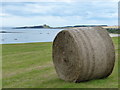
<point>111,35</point>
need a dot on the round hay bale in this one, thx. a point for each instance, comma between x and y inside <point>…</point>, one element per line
<point>82,54</point>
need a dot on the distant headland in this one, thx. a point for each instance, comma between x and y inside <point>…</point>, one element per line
<point>49,27</point>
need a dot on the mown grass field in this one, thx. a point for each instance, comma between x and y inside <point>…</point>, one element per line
<point>30,66</point>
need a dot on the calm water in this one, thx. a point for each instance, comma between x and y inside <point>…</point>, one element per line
<point>28,35</point>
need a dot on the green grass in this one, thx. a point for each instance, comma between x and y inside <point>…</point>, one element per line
<point>30,66</point>
<point>117,31</point>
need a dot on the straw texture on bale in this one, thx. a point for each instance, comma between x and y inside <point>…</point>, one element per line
<point>82,54</point>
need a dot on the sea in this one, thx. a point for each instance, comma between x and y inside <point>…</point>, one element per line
<point>9,35</point>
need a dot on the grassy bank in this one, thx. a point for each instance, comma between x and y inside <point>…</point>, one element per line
<point>116,31</point>
<point>30,66</point>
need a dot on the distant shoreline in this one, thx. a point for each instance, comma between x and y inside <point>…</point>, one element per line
<point>49,27</point>
<point>9,32</point>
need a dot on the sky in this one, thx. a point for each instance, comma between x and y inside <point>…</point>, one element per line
<point>58,12</point>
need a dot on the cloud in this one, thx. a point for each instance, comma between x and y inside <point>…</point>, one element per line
<point>57,9</point>
<point>39,8</point>
<point>102,15</point>
<point>3,14</point>
<point>67,1</point>
<point>39,20</point>
<point>54,21</point>
<point>59,13</point>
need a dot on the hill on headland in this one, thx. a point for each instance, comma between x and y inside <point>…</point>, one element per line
<point>49,27</point>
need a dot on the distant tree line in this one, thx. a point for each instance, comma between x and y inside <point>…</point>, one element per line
<point>117,31</point>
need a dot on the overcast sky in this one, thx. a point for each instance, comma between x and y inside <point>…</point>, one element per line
<point>59,12</point>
